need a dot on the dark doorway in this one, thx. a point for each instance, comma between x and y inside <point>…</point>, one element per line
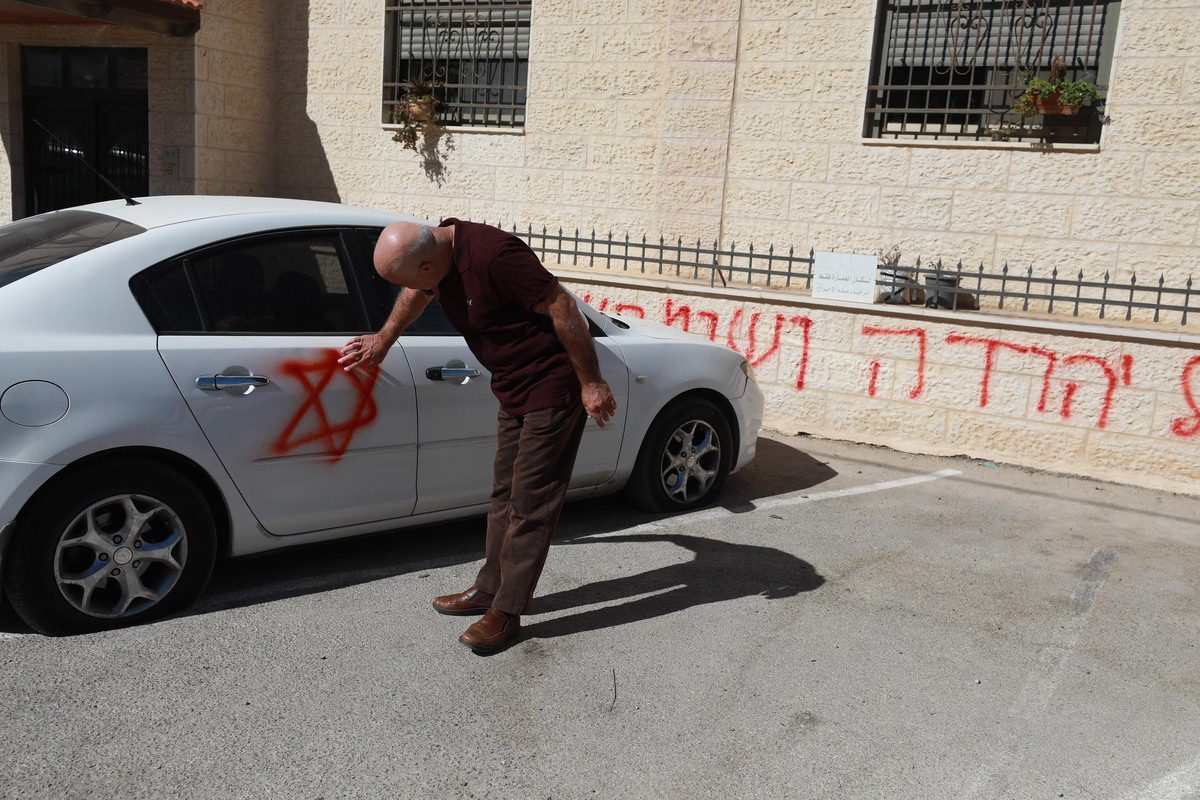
<point>94,100</point>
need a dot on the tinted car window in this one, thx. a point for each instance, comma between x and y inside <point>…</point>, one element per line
<point>432,321</point>
<point>168,301</point>
<point>32,244</point>
<point>293,284</point>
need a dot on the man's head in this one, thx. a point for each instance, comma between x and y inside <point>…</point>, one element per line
<point>409,254</point>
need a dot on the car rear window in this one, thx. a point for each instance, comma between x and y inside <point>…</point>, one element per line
<point>29,245</point>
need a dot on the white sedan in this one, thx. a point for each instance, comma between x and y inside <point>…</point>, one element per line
<point>170,395</point>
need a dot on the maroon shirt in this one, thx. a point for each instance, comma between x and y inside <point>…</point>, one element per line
<point>488,296</point>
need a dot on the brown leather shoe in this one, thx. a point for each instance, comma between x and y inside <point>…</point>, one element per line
<point>490,633</point>
<point>463,604</point>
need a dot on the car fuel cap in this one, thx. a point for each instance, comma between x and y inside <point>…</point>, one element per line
<point>34,403</point>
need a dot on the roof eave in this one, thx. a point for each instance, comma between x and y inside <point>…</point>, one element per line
<point>155,15</point>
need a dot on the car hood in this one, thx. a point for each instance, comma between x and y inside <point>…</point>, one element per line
<point>655,330</point>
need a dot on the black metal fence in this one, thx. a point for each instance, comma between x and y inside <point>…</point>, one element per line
<point>473,55</point>
<point>955,287</point>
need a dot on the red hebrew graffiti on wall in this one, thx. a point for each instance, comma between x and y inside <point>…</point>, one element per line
<point>315,378</point>
<point>1065,372</point>
<point>1188,426</point>
<point>1114,375</point>
<point>1110,373</point>
<point>919,334</point>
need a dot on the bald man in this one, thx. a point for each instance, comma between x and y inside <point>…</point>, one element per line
<point>529,333</point>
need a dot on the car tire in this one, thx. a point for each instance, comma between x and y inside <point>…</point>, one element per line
<point>665,450</point>
<point>70,567</point>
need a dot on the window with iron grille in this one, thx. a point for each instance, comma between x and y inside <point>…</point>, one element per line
<point>954,69</point>
<point>472,54</point>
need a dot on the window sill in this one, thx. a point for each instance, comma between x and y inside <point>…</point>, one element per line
<point>491,130</point>
<point>1040,147</point>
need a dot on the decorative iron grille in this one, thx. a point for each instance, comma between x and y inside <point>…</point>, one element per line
<point>953,287</point>
<point>951,69</point>
<point>474,54</point>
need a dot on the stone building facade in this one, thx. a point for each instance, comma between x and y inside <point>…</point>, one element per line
<point>733,119</point>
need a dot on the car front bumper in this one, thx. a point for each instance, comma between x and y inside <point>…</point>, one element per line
<point>749,409</point>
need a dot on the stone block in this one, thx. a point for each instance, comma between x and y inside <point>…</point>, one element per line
<point>696,195</point>
<point>622,153</point>
<point>568,152</point>
<point>781,82</point>
<point>702,41</point>
<point>1074,173</point>
<point>570,42</point>
<point>1173,175</point>
<point>530,185</point>
<point>1010,213</point>
<point>1068,255</point>
<point>958,169</point>
<point>751,158</point>
<point>906,207</point>
<point>1022,441</point>
<point>1123,219</point>
<point>870,164</point>
<point>695,118</point>
<point>762,199</point>
<point>822,122</point>
<point>698,81</point>
<point>829,203</point>
<point>1154,459</point>
<point>700,157</point>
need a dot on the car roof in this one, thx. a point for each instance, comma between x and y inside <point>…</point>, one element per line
<point>155,212</point>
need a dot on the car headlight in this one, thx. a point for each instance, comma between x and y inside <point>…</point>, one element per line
<point>747,369</point>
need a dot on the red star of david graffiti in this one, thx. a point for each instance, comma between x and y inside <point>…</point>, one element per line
<point>315,377</point>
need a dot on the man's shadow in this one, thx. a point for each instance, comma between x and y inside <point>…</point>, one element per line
<point>719,572</point>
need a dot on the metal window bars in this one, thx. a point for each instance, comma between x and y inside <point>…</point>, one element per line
<point>954,287</point>
<point>474,54</point>
<point>951,69</point>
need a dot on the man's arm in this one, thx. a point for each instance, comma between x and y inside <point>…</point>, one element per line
<point>364,352</point>
<point>572,329</point>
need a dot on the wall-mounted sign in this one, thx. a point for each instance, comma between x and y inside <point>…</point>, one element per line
<point>844,276</point>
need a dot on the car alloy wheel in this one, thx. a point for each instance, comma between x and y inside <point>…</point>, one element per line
<point>691,461</point>
<point>121,556</point>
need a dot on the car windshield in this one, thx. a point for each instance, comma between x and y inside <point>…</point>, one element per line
<point>38,242</point>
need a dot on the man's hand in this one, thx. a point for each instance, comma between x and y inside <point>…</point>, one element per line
<point>599,402</point>
<point>365,352</point>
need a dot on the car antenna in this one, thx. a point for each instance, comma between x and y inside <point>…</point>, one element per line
<point>129,201</point>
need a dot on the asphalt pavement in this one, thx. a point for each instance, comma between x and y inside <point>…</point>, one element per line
<point>850,622</point>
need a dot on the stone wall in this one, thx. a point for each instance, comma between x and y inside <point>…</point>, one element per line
<point>234,98</point>
<point>1110,404</point>
<point>677,117</point>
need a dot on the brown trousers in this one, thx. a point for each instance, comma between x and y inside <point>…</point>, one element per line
<point>535,454</point>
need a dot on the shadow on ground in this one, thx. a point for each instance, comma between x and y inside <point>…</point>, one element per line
<point>719,571</point>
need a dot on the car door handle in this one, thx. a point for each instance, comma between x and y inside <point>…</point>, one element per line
<point>451,373</point>
<point>215,383</point>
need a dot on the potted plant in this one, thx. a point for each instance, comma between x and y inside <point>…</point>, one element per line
<point>1054,95</point>
<point>416,109</point>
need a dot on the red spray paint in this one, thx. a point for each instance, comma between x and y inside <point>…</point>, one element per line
<point>1188,426</point>
<point>919,388</point>
<point>315,377</point>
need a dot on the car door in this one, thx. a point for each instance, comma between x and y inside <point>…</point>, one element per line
<point>457,410</point>
<point>251,332</point>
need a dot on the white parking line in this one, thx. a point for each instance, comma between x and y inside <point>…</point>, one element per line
<point>6,636</point>
<point>780,501</point>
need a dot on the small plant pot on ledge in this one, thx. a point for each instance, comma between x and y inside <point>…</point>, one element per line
<point>1052,104</point>
<point>421,109</point>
